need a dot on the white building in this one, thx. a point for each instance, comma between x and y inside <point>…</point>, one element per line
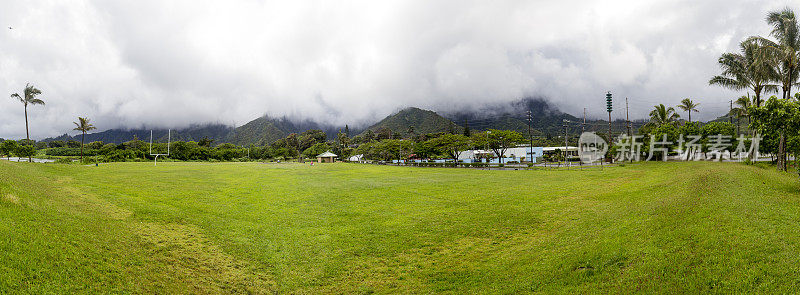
<point>572,151</point>
<point>517,154</point>
<point>326,157</point>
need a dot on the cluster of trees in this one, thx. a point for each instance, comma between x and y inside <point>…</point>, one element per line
<point>774,116</point>
<point>383,145</point>
<point>778,122</point>
<point>133,150</point>
<point>304,145</point>
<point>440,145</point>
<point>672,131</point>
<point>20,149</point>
<point>386,145</point>
<point>766,66</point>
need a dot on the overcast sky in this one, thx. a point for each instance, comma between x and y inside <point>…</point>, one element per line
<point>174,63</point>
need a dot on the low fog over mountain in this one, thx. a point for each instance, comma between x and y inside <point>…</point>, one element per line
<point>160,64</point>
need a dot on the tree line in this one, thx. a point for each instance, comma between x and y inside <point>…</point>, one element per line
<point>306,145</point>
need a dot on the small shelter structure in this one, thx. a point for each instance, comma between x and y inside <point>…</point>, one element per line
<point>326,157</point>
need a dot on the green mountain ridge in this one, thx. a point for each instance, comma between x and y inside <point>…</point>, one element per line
<point>214,132</point>
<point>422,121</point>
<point>547,122</point>
<point>260,131</point>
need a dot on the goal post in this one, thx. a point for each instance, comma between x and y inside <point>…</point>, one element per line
<point>155,156</point>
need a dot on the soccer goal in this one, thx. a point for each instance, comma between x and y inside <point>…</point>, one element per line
<point>155,156</point>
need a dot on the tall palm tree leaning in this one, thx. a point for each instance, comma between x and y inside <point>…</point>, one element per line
<point>750,69</point>
<point>687,105</point>
<point>783,53</point>
<point>83,125</point>
<point>663,115</point>
<point>29,98</point>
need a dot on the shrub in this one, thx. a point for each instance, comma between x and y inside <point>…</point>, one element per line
<point>74,144</point>
<point>67,151</point>
<point>119,156</point>
<point>8,147</point>
<point>65,160</point>
<point>25,151</point>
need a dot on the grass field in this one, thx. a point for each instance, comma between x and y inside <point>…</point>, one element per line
<point>348,228</point>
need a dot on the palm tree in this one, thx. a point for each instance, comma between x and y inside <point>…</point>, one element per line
<point>29,98</point>
<point>786,30</point>
<point>742,104</point>
<point>783,53</point>
<point>687,105</point>
<point>83,125</point>
<point>750,69</point>
<point>663,115</point>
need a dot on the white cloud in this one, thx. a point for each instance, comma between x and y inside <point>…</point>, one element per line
<point>173,63</point>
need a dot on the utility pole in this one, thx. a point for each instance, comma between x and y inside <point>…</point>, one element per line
<point>530,136</point>
<point>730,113</point>
<point>583,129</point>
<point>609,108</point>
<point>566,145</point>
<point>583,126</point>
<point>627,119</point>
